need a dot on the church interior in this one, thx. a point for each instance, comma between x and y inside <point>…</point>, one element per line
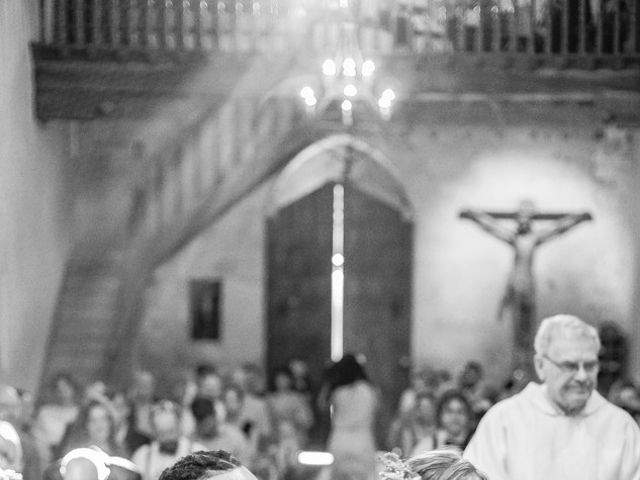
<point>250,183</point>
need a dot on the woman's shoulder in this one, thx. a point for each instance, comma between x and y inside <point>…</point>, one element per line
<point>368,388</point>
<point>360,388</point>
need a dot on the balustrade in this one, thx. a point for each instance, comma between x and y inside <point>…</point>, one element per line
<point>561,27</point>
<point>515,27</point>
<point>552,27</point>
<point>179,25</point>
<point>203,160</point>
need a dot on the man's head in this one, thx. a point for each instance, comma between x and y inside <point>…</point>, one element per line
<point>204,412</point>
<point>99,422</point>
<point>233,397</point>
<point>471,374</point>
<point>566,360</point>
<point>209,381</point>
<point>165,419</point>
<point>144,385</point>
<point>207,465</point>
<point>425,408</point>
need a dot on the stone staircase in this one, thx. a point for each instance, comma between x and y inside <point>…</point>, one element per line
<point>190,177</point>
<point>195,192</point>
<point>81,326</point>
<point>209,153</point>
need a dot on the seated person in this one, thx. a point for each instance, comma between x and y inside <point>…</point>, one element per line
<point>455,420</point>
<point>418,428</point>
<point>168,443</point>
<point>94,427</point>
<point>207,465</point>
<point>15,409</point>
<point>54,416</point>
<point>286,404</point>
<point>213,434</point>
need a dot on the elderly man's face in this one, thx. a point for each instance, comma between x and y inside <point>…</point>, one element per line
<point>569,369</point>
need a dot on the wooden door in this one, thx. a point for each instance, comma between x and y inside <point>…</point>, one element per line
<point>377,312</point>
<point>299,243</point>
<point>377,291</point>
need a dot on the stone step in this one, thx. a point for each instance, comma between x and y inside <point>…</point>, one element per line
<point>82,329</point>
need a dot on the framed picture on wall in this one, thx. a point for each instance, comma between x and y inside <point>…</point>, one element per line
<point>205,301</point>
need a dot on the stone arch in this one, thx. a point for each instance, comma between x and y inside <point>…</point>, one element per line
<point>324,161</point>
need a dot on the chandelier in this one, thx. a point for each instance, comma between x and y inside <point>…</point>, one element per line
<point>347,78</point>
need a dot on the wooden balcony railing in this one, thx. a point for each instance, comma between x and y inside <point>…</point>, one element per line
<point>561,27</point>
<point>591,28</point>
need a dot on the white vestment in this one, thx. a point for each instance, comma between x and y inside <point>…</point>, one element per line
<point>526,437</point>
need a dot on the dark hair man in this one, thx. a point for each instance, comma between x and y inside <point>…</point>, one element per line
<point>207,465</point>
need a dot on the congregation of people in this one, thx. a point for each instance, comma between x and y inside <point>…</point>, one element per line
<point>265,422</point>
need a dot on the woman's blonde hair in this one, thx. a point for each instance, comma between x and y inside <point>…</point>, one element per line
<point>444,465</point>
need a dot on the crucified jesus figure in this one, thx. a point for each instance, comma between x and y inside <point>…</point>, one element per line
<point>519,297</point>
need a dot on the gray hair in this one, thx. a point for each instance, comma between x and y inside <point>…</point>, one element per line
<point>444,465</point>
<point>563,325</point>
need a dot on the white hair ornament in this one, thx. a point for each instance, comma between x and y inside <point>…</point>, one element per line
<point>98,458</point>
<point>395,468</point>
<point>10,475</point>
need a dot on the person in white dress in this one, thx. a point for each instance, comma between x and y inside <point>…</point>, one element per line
<point>354,402</point>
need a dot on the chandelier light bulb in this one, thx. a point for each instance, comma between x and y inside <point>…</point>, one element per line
<point>315,458</point>
<point>384,102</point>
<point>350,90</point>
<point>368,67</point>
<point>307,92</point>
<point>349,67</point>
<point>389,95</point>
<point>346,106</point>
<point>329,68</point>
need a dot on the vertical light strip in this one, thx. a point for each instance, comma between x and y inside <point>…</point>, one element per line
<point>337,275</point>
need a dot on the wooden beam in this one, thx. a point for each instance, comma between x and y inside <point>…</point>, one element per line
<point>74,87</point>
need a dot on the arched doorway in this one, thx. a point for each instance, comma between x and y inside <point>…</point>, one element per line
<point>340,193</point>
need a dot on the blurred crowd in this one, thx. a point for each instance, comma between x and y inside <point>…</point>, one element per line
<point>263,420</point>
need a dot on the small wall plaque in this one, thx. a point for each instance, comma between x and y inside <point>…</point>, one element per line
<point>205,303</point>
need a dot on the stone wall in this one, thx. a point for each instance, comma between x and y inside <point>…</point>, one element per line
<point>563,162</point>
<point>34,205</point>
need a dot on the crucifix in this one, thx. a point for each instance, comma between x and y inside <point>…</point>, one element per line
<point>519,297</point>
